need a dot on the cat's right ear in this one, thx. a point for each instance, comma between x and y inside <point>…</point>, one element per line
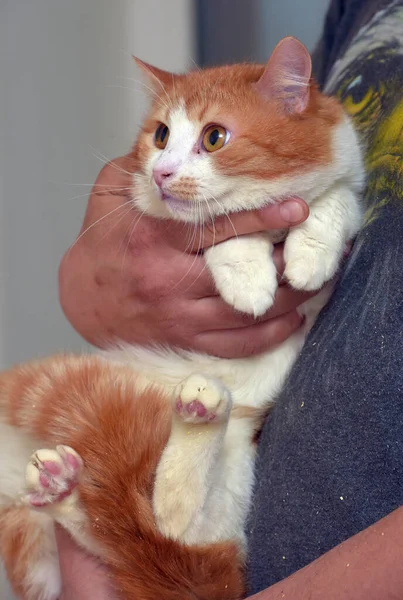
<point>157,78</point>
<point>287,76</point>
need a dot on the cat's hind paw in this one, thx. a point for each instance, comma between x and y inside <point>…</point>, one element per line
<point>51,476</point>
<point>201,399</point>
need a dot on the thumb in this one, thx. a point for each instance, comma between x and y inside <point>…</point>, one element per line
<point>280,215</point>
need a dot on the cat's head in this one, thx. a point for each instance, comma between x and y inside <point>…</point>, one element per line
<point>236,137</point>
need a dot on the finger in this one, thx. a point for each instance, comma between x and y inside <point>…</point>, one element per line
<point>241,343</point>
<point>83,578</point>
<point>170,278</point>
<point>213,314</point>
<point>280,215</point>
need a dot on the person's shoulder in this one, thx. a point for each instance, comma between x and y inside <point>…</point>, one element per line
<point>344,19</point>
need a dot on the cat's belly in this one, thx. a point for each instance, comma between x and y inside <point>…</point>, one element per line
<point>253,381</point>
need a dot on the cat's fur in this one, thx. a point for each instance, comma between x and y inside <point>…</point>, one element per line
<point>165,506</point>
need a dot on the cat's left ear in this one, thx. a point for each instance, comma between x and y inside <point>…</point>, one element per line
<point>156,77</point>
<point>286,78</point>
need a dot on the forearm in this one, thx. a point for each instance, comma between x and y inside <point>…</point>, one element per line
<point>368,566</point>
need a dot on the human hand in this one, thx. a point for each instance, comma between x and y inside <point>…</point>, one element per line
<point>82,577</point>
<point>140,280</point>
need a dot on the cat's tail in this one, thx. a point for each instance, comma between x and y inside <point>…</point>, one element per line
<point>154,567</point>
<point>95,407</point>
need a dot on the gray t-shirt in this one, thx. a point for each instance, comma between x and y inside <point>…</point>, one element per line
<point>330,459</point>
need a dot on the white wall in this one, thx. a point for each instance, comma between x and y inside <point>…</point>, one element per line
<point>239,30</point>
<point>64,63</point>
<point>300,18</point>
<point>61,63</point>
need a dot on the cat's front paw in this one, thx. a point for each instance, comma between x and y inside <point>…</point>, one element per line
<point>51,476</point>
<point>251,289</point>
<point>200,399</point>
<point>244,273</point>
<point>310,263</point>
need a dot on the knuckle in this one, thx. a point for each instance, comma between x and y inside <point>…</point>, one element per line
<point>250,347</point>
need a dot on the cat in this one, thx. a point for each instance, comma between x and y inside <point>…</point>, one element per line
<point>149,452</point>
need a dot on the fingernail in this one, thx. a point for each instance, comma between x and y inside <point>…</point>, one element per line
<point>292,211</point>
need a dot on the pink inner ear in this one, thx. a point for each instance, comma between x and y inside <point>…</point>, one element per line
<point>286,78</point>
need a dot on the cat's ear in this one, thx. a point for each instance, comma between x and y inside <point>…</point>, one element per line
<point>286,78</point>
<point>156,77</point>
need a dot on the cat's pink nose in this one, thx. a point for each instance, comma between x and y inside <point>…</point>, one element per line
<point>162,174</point>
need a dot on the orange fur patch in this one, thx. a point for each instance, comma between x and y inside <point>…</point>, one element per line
<point>21,543</point>
<point>93,406</point>
<point>185,188</point>
<point>267,143</point>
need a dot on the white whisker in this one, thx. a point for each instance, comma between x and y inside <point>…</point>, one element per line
<point>97,222</point>
<point>151,90</point>
<point>106,161</point>
<point>118,220</point>
<point>226,213</point>
<point>104,192</point>
<point>196,255</point>
<point>137,220</point>
<point>194,63</point>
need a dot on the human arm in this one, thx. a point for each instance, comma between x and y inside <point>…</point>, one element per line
<point>128,278</point>
<point>367,566</point>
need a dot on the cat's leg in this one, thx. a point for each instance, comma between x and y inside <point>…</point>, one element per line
<point>27,541</point>
<point>28,549</point>
<point>313,249</point>
<point>192,457</point>
<point>52,477</point>
<point>244,272</point>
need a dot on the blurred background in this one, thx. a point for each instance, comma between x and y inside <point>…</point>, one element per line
<point>70,100</point>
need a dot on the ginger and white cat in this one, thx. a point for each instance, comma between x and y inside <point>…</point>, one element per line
<point>164,504</point>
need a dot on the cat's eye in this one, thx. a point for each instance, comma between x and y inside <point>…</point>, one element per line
<point>161,136</point>
<point>215,137</point>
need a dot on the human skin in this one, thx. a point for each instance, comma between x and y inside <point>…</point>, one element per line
<point>127,278</point>
<point>367,566</point>
<point>83,577</point>
<point>364,567</point>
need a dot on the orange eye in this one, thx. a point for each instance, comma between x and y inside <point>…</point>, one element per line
<point>215,137</point>
<point>161,136</point>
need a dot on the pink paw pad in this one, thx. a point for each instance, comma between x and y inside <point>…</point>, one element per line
<point>193,408</point>
<point>52,475</point>
<point>194,411</point>
<point>199,399</point>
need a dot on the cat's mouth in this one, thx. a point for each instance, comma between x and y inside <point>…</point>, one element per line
<point>178,207</point>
